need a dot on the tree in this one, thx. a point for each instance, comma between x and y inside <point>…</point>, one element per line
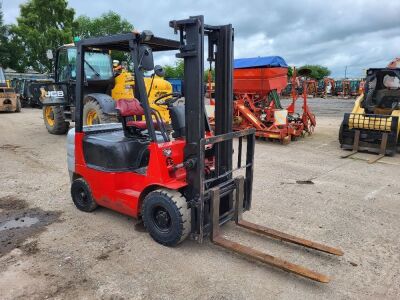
<point>42,25</point>
<point>11,52</point>
<point>317,71</point>
<point>107,24</point>
<point>175,71</point>
<point>290,72</point>
<point>4,56</point>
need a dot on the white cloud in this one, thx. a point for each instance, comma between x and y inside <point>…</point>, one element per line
<point>357,34</point>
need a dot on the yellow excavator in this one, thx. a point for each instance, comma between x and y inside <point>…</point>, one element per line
<point>374,123</point>
<point>103,86</point>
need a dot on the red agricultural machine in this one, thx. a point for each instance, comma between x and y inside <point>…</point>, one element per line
<point>257,83</point>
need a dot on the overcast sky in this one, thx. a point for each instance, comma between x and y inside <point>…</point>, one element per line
<point>357,34</point>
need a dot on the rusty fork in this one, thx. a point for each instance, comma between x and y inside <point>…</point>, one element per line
<point>256,254</point>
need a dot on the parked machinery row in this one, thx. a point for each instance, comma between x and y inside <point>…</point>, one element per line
<point>27,90</point>
<point>342,88</point>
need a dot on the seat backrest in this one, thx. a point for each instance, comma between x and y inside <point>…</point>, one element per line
<point>177,114</point>
<point>129,107</point>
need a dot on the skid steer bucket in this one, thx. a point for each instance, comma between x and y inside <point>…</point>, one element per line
<point>369,132</point>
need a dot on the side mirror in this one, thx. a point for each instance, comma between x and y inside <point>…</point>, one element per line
<point>159,71</point>
<point>146,61</point>
<point>49,54</point>
<point>146,35</point>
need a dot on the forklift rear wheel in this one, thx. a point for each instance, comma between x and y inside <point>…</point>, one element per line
<point>82,196</point>
<point>166,216</point>
<point>54,120</point>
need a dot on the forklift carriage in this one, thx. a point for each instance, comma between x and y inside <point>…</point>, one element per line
<point>181,184</point>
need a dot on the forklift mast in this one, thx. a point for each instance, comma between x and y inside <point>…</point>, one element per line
<point>192,32</point>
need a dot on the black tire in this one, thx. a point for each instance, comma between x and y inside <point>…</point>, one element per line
<point>166,216</point>
<point>60,126</point>
<point>18,105</point>
<point>101,118</point>
<point>82,195</point>
<point>23,103</point>
<point>341,134</point>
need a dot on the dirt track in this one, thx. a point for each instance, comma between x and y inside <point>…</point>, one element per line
<point>69,254</point>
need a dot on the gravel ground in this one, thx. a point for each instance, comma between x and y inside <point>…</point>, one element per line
<point>63,253</point>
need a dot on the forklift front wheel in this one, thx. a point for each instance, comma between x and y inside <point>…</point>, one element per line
<point>166,216</point>
<point>82,196</point>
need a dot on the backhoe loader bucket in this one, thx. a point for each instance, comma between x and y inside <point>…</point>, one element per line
<point>369,132</point>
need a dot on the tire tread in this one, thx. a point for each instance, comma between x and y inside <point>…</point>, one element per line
<point>185,214</point>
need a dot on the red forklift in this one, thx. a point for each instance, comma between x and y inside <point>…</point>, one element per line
<point>181,183</point>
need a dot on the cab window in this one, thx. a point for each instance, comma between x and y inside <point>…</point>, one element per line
<point>97,65</point>
<point>62,66</point>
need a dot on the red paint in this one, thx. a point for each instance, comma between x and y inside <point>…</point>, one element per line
<point>252,87</point>
<point>123,191</point>
<point>259,80</point>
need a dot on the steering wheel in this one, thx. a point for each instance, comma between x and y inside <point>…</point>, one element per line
<point>162,101</point>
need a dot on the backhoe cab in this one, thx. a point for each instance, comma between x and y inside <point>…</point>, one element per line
<point>181,184</point>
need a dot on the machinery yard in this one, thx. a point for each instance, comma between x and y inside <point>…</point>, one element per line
<point>303,188</point>
<point>208,153</point>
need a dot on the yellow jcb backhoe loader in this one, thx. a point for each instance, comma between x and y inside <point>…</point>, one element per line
<point>103,87</point>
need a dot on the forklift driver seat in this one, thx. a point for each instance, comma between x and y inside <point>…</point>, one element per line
<point>128,108</point>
